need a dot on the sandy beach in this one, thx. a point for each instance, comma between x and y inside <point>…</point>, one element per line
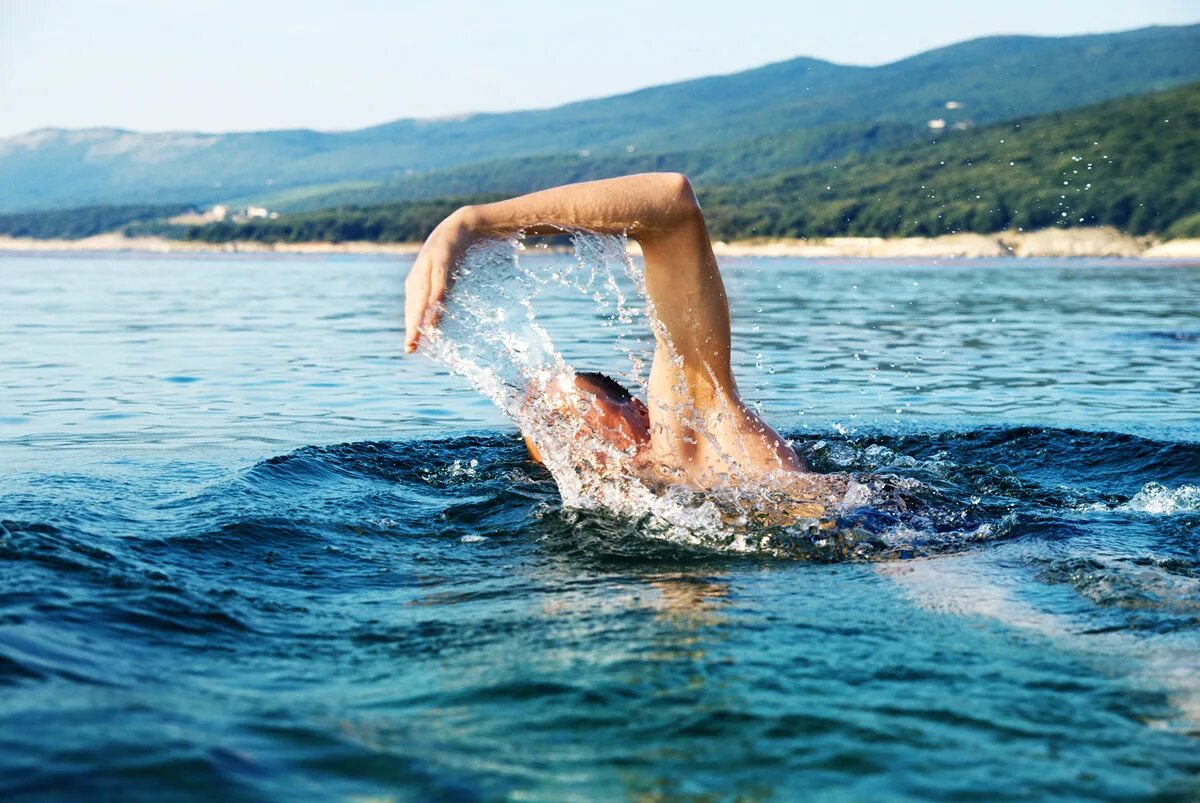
<point>1091,242</point>
<point>110,243</point>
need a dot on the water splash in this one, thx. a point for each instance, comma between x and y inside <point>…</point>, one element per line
<point>1154,499</point>
<point>1157,499</point>
<point>491,335</point>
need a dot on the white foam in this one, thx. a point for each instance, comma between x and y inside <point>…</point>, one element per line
<point>1159,500</point>
<point>1154,499</point>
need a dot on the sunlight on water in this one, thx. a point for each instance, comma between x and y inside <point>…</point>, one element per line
<point>250,551</point>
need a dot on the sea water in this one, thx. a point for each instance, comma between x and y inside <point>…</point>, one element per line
<point>249,550</point>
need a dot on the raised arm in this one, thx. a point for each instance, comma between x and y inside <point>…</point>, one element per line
<point>657,210</point>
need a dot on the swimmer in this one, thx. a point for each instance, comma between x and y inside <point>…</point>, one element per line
<point>694,429</point>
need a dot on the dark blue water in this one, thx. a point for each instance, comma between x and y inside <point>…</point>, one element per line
<point>248,551</point>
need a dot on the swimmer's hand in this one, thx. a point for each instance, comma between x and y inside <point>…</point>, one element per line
<point>432,274</point>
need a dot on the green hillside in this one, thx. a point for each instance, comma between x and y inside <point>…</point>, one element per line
<point>405,222</point>
<point>1132,163</point>
<point>709,165</point>
<point>993,79</point>
<point>73,224</point>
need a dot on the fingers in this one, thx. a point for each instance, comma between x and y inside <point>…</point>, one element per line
<point>426,287</point>
<point>416,295</point>
<point>435,299</point>
<point>424,293</point>
<point>411,333</point>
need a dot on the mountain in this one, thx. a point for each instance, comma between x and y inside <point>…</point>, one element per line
<point>989,79</point>
<point>1132,163</point>
<point>709,164</point>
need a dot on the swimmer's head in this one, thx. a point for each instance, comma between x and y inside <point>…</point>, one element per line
<point>604,407</point>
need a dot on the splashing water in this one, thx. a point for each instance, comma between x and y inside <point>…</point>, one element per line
<point>491,335</point>
<point>1158,500</point>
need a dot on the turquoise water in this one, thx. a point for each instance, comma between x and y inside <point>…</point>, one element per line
<point>248,550</point>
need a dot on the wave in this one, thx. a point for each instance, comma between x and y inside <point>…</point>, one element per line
<point>908,494</point>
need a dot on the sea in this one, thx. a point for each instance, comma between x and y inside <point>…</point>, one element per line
<point>249,550</point>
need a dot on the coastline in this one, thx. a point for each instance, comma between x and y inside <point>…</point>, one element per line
<point>1083,242</point>
<point>1090,242</point>
<point>118,243</point>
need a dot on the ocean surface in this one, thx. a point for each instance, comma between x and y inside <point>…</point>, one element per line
<point>249,551</point>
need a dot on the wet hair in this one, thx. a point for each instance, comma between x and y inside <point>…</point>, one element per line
<point>607,384</point>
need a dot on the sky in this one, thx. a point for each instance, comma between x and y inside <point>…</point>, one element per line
<point>236,65</point>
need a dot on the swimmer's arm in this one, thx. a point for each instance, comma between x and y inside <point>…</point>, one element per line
<point>657,210</point>
<point>641,206</point>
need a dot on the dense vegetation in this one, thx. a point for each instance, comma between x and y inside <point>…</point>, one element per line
<point>1186,228</point>
<point>1133,164</point>
<point>74,224</point>
<point>996,78</point>
<point>706,166</point>
<point>403,222</point>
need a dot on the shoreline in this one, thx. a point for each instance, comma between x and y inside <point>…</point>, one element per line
<point>1091,242</point>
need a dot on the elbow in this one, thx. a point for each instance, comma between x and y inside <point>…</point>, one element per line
<point>468,214</point>
<point>678,189</point>
<point>679,199</point>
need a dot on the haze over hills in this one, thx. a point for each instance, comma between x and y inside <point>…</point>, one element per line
<point>1130,163</point>
<point>780,116</point>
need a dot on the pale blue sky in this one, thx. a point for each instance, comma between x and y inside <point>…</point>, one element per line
<point>240,64</point>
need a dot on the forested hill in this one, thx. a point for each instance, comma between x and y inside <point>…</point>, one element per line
<point>74,224</point>
<point>839,110</point>
<point>714,164</point>
<point>1132,163</point>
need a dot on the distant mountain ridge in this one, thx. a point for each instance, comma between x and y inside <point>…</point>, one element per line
<point>994,78</point>
<point>1130,163</point>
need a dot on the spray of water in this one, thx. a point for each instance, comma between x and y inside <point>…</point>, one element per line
<point>491,335</point>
